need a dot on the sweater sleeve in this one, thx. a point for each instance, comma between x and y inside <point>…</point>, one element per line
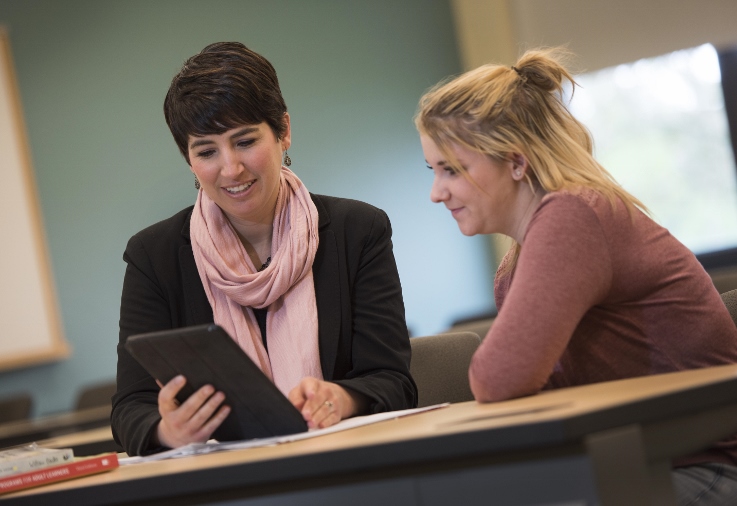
<point>564,268</point>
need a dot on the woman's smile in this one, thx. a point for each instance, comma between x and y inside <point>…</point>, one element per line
<point>240,189</point>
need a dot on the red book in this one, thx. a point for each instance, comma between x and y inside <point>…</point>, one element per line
<point>80,467</point>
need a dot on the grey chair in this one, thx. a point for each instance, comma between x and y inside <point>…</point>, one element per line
<point>15,408</point>
<point>478,327</point>
<point>730,300</point>
<point>96,395</point>
<point>439,366</point>
<point>724,278</point>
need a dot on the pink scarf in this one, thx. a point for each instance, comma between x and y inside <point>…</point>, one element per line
<point>233,284</point>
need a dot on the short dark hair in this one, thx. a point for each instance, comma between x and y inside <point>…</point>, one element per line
<point>222,87</point>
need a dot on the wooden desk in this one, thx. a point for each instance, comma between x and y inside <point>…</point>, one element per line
<point>28,431</point>
<point>608,443</point>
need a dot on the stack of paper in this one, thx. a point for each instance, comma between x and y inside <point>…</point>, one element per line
<point>215,446</point>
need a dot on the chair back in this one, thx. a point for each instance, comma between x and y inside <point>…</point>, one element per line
<point>13,409</point>
<point>439,366</point>
<point>96,395</point>
<point>478,327</point>
<point>730,300</point>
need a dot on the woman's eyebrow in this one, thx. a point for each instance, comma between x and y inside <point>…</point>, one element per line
<point>200,142</point>
<point>441,162</point>
<point>244,131</point>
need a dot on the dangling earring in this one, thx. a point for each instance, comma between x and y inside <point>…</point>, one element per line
<point>287,160</point>
<point>196,183</point>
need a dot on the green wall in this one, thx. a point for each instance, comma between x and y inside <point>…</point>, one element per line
<point>92,77</point>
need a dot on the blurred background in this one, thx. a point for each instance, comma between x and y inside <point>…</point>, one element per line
<point>92,75</point>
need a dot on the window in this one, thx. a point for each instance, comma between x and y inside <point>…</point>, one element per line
<point>661,129</point>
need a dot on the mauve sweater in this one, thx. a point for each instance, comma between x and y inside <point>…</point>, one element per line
<point>600,294</point>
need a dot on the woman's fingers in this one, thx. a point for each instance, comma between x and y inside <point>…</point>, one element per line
<point>167,394</point>
<point>207,403</point>
<point>192,421</point>
<point>303,398</point>
<point>327,414</point>
<point>321,403</point>
<point>213,423</point>
<point>298,395</point>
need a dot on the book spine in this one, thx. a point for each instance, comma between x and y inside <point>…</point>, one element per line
<point>35,460</point>
<point>63,472</point>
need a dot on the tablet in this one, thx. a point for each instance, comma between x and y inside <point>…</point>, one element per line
<point>207,355</point>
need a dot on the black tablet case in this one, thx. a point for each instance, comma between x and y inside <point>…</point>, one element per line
<point>206,354</point>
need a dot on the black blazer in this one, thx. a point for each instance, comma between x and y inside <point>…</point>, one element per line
<point>363,338</point>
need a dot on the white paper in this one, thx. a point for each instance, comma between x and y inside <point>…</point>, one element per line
<point>215,446</point>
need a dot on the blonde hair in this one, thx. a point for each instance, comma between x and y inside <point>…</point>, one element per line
<point>498,110</point>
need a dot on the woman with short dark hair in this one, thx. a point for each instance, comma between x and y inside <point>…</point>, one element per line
<point>306,284</point>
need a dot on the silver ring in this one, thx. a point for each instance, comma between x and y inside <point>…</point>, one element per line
<point>329,404</point>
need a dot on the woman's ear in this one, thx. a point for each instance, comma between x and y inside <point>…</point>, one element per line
<point>519,165</point>
<point>286,139</point>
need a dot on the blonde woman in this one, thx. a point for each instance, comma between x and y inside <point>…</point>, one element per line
<point>593,289</point>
